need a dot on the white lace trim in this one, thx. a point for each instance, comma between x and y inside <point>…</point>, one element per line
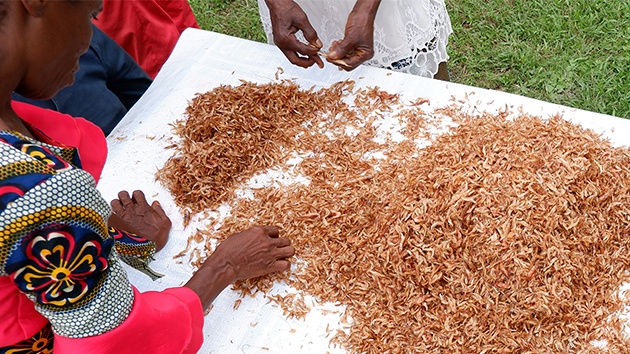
<point>409,35</point>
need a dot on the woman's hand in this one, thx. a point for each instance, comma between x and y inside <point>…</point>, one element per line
<point>357,46</point>
<point>254,252</point>
<point>287,18</point>
<point>135,215</point>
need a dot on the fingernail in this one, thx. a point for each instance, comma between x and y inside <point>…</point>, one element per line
<point>319,43</point>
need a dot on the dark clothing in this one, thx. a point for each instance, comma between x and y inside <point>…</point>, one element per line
<point>107,84</point>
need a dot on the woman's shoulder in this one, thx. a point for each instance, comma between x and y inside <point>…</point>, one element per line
<point>67,131</point>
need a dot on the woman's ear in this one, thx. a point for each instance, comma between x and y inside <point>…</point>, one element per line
<point>35,7</point>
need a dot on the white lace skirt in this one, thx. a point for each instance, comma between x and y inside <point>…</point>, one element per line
<point>409,35</point>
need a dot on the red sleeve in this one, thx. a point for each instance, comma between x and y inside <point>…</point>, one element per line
<point>180,12</point>
<point>169,322</point>
<point>67,130</point>
<point>18,318</point>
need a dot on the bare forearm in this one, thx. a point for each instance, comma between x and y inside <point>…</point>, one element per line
<point>368,7</point>
<point>275,5</point>
<point>248,254</point>
<point>209,281</point>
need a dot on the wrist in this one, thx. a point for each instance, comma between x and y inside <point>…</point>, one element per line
<point>273,5</point>
<point>117,222</point>
<point>368,7</point>
<point>210,280</point>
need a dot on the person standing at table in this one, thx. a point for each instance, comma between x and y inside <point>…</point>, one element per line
<point>403,35</point>
<point>61,283</point>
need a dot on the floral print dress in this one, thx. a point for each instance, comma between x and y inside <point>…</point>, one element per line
<point>56,249</point>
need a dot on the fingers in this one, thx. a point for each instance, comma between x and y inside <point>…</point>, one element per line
<point>280,266</point>
<point>255,252</point>
<point>126,203</point>
<point>292,43</point>
<point>272,231</point>
<point>308,50</point>
<point>286,252</point>
<point>138,198</point>
<point>339,49</point>
<point>125,199</point>
<point>304,62</point>
<point>298,53</point>
<point>298,21</point>
<point>352,62</point>
<point>349,54</point>
<point>339,55</point>
<point>281,242</point>
<point>157,207</point>
<point>318,61</point>
<point>310,34</point>
<point>287,18</point>
<point>117,206</point>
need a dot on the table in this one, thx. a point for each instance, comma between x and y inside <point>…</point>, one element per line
<point>203,60</point>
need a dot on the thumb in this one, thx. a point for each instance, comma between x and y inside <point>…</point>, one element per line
<point>312,39</point>
<point>157,207</point>
<point>340,50</point>
<point>309,32</point>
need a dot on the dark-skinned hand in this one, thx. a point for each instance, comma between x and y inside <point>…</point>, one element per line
<point>287,18</point>
<point>140,218</point>
<point>357,46</point>
<point>254,252</point>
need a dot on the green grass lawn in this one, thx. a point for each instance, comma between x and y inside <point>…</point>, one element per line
<point>237,18</point>
<point>575,53</point>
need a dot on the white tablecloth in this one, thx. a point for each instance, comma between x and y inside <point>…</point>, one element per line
<point>203,60</point>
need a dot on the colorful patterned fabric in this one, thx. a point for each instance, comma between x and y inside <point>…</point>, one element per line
<point>61,129</point>
<point>169,321</point>
<point>41,342</point>
<point>50,283</point>
<point>54,243</point>
<point>135,250</point>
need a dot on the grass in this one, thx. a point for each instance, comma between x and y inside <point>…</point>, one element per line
<point>238,18</point>
<point>571,52</point>
<point>574,53</point>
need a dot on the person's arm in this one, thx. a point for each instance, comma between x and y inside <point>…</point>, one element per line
<point>125,78</point>
<point>251,253</point>
<point>168,321</point>
<point>286,19</point>
<point>139,230</point>
<point>64,261</point>
<point>248,254</point>
<point>172,320</point>
<point>134,215</point>
<point>357,46</point>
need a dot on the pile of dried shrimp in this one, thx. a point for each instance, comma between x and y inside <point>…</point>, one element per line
<point>500,236</point>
